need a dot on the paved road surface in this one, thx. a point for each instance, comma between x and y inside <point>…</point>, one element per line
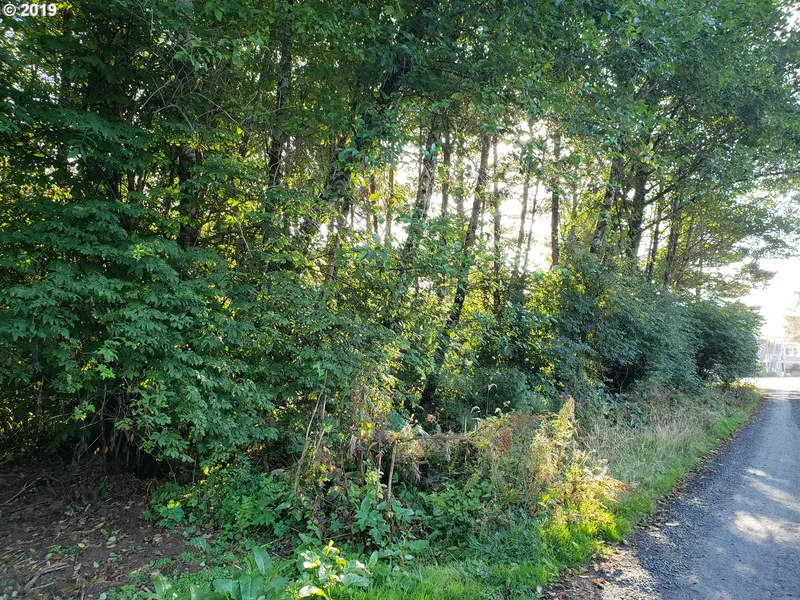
<point>738,528</point>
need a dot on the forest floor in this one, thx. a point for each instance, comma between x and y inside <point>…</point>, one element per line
<point>730,530</point>
<point>74,533</point>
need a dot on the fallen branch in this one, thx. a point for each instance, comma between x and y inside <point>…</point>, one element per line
<point>22,491</point>
<point>45,571</point>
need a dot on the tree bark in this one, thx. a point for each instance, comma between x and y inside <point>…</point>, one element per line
<point>344,205</point>
<point>446,160</point>
<point>674,237</point>
<point>526,259</point>
<point>555,201</point>
<point>654,244</point>
<point>416,227</point>
<point>637,209</point>
<point>189,231</point>
<point>370,218</point>
<point>612,187</point>
<point>419,213</point>
<point>459,192</point>
<point>526,186</point>
<point>278,141</point>
<point>497,230</point>
<point>387,227</point>
<point>188,208</point>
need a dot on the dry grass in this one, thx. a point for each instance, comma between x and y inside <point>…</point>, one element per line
<point>673,434</point>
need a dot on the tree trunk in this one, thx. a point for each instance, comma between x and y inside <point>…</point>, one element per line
<point>459,193</point>
<point>416,227</point>
<point>555,201</point>
<point>188,208</point>
<point>419,213</point>
<point>526,258</point>
<point>277,143</point>
<point>344,205</point>
<point>612,186</point>
<point>686,256</point>
<point>674,236</point>
<point>637,209</point>
<point>467,258</point>
<point>370,219</point>
<point>189,231</point>
<point>526,185</point>
<point>387,227</point>
<point>336,187</point>
<point>654,244</point>
<point>497,231</point>
<point>446,159</point>
<point>575,197</point>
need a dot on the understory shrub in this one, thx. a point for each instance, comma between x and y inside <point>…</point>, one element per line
<point>236,498</point>
<point>508,465</point>
<point>726,348</point>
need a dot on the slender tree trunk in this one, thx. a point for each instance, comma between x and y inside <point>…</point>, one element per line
<point>416,228</point>
<point>555,201</point>
<point>651,262</point>
<point>698,288</point>
<point>679,267</point>
<point>344,211</point>
<point>637,209</point>
<point>528,243</point>
<point>373,193</point>
<point>674,237</point>
<point>387,227</point>
<point>189,231</point>
<point>612,187</point>
<point>65,93</point>
<point>266,69</point>
<point>370,219</point>
<point>188,209</point>
<point>467,258</point>
<point>336,184</point>
<point>575,201</point>
<point>278,141</point>
<point>497,231</point>
<point>526,185</point>
<point>459,193</point>
<point>419,213</point>
<point>446,160</point>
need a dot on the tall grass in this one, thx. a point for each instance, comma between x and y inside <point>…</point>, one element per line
<point>675,432</point>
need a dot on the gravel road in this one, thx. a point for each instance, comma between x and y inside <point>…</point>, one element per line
<point>734,532</point>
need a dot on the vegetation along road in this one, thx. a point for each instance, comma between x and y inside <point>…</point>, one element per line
<point>735,533</point>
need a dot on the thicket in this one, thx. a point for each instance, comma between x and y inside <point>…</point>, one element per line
<point>286,252</point>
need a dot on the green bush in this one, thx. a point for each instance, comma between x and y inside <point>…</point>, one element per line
<point>238,499</point>
<point>727,345</point>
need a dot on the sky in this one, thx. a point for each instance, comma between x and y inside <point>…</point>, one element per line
<point>779,298</point>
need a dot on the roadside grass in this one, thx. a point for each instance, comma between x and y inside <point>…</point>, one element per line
<point>519,561</point>
<point>679,432</point>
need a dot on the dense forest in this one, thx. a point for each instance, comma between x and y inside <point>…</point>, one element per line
<point>346,260</point>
